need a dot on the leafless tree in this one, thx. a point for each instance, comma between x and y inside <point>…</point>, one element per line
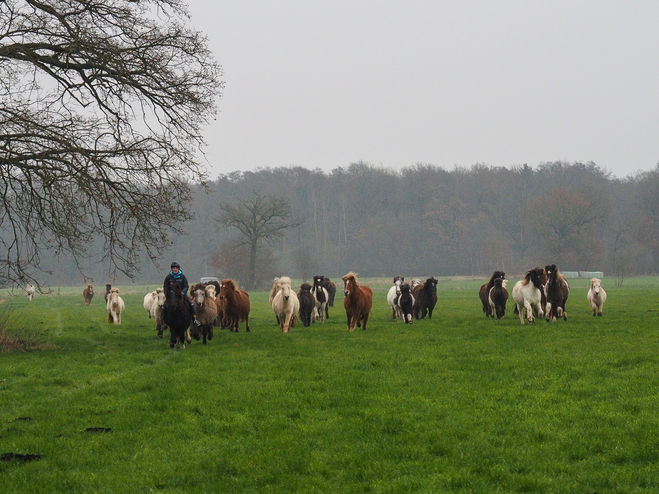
<point>258,219</point>
<point>101,108</point>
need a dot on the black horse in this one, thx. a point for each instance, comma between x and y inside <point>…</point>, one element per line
<point>176,315</point>
<point>425,298</point>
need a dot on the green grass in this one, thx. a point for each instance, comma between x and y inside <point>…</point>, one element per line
<point>459,403</point>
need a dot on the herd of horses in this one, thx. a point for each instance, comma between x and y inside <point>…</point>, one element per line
<point>542,293</point>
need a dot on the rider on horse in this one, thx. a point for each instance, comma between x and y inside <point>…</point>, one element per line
<point>177,276</point>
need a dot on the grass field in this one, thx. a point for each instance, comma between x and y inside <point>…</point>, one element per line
<point>458,403</point>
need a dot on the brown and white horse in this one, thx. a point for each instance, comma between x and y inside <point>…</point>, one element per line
<point>528,295</point>
<point>358,301</point>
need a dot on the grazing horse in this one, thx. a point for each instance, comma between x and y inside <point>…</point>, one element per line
<point>203,296</point>
<point>321,296</point>
<point>357,302</point>
<point>425,298</point>
<point>176,315</point>
<point>406,303</point>
<point>286,305</point>
<point>392,298</point>
<point>498,297</point>
<point>88,294</point>
<point>235,305</point>
<point>596,296</point>
<point>115,306</point>
<point>307,303</point>
<point>484,292</point>
<point>527,294</point>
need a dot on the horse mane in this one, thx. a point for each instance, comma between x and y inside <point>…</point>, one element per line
<point>306,287</point>
<point>284,280</point>
<point>352,275</point>
<point>230,285</point>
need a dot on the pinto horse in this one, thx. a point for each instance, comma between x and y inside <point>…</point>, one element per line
<point>528,295</point>
<point>176,315</point>
<point>358,301</point>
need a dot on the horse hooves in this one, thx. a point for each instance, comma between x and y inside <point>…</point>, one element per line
<point>599,314</point>
<point>171,344</point>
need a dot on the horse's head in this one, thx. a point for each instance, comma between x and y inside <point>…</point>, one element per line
<point>405,288</point>
<point>198,295</point>
<point>398,281</point>
<point>305,287</point>
<point>595,285</point>
<point>349,283</point>
<point>552,271</point>
<point>173,294</point>
<point>538,277</point>
<point>431,286</point>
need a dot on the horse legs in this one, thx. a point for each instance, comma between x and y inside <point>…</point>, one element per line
<point>247,323</point>
<point>365,320</point>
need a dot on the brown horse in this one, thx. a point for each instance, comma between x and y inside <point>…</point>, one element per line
<point>234,304</point>
<point>557,291</point>
<point>88,294</point>
<point>358,301</point>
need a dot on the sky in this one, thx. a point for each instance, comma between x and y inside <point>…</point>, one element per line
<point>448,83</point>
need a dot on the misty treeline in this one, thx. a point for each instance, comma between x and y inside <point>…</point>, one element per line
<point>423,220</point>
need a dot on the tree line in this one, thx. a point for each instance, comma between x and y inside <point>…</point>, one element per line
<point>421,220</point>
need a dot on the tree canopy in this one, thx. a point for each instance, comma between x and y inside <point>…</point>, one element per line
<point>102,103</point>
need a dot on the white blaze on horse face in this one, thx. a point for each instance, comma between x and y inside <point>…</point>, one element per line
<point>398,283</point>
<point>346,292</point>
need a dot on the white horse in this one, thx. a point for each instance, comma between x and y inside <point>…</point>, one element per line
<point>115,306</point>
<point>596,296</point>
<point>393,297</point>
<point>285,304</point>
<point>31,290</point>
<point>527,294</point>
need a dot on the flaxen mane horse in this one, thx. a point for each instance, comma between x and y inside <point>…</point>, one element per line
<point>596,296</point>
<point>357,303</point>
<point>484,292</point>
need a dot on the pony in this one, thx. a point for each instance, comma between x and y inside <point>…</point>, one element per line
<point>327,284</point>
<point>88,294</point>
<point>115,306</point>
<point>30,290</point>
<point>286,305</point>
<point>176,315</point>
<point>307,303</point>
<point>392,298</point>
<point>235,305</point>
<point>498,297</point>
<point>321,297</point>
<point>425,298</point>
<point>273,291</point>
<point>527,294</point>
<point>557,290</point>
<point>596,296</point>
<point>155,311</point>
<point>203,296</point>
<point>108,287</point>
<point>149,300</point>
<point>406,303</point>
<point>357,302</point>
<point>484,292</point>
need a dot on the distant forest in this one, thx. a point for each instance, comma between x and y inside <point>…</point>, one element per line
<point>420,221</point>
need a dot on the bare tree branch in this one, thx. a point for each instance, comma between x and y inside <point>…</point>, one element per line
<point>101,108</point>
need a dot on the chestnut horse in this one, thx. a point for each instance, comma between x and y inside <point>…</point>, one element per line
<point>358,301</point>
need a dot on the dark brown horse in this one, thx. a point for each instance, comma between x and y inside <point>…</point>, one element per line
<point>358,301</point>
<point>557,291</point>
<point>425,298</point>
<point>484,292</point>
<point>498,298</point>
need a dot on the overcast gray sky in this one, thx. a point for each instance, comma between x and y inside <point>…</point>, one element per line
<point>394,83</point>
